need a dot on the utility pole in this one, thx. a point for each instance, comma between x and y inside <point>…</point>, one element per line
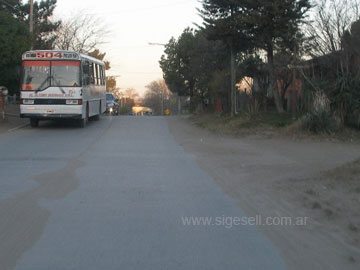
<point>31,20</point>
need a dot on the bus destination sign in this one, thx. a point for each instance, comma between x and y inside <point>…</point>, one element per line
<point>51,55</point>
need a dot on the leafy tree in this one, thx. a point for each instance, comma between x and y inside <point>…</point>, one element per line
<point>210,57</point>
<point>269,25</point>
<point>170,65</point>
<point>13,7</point>
<point>176,64</point>
<point>44,34</point>
<point>222,21</point>
<point>14,40</point>
<point>15,36</point>
<point>189,64</point>
<point>345,96</point>
<point>274,25</point>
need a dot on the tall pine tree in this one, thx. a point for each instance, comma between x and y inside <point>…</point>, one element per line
<point>222,21</point>
<point>269,25</point>
<point>274,25</point>
<point>44,28</point>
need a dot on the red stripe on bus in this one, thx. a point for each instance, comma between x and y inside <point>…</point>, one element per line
<point>66,63</point>
<point>27,87</point>
<point>36,63</point>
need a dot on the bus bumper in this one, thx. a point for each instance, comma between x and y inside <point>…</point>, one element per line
<point>51,112</point>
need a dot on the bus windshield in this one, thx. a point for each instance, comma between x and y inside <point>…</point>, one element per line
<point>36,75</point>
<point>65,73</point>
<point>39,75</point>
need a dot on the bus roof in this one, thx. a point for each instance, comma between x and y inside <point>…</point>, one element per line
<point>58,55</point>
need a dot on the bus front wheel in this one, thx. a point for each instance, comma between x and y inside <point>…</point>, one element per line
<point>34,122</point>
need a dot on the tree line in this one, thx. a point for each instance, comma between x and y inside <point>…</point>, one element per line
<point>273,41</point>
<point>80,32</point>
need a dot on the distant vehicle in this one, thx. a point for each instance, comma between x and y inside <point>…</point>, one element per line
<point>62,85</point>
<point>141,110</point>
<point>112,106</point>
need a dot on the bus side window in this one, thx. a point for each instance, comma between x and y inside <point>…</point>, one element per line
<point>92,73</point>
<point>97,74</point>
<point>102,75</point>
<point>86,73</point>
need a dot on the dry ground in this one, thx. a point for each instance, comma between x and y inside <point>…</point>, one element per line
<point>268,125</point>
<point>274,175</point>
<point>11,121</point>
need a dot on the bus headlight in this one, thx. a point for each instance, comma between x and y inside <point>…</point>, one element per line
<point>28,101</point>
<point>72,102</point>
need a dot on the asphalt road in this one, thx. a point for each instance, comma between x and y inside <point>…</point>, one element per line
<point>114,196</point>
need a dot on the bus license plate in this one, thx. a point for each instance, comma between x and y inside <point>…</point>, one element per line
<point>50,111</point>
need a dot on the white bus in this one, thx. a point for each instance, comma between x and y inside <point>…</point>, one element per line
<point>62,85</point>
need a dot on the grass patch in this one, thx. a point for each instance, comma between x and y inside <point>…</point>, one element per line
<point>243,123</point>
<point>269,124</point>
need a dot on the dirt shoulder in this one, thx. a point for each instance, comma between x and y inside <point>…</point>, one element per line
<point>269,125</point>
<point>12,119</point>
<point>12,122</point>
<point>281,177</point>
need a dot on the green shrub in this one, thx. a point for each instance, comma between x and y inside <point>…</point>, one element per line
<point>281,124</point>
<point>319,122</point>
<point>346,99</point>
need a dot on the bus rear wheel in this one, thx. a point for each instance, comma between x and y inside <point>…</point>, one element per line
<point>34,122</point>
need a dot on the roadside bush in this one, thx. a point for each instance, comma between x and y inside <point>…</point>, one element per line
<point>346,99</point>
<point>281,124</point>
<point>343,98</point>
<point>319,122</point>
<point>313,95</point>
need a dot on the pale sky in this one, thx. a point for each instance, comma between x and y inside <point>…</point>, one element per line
<point>132,25</point>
